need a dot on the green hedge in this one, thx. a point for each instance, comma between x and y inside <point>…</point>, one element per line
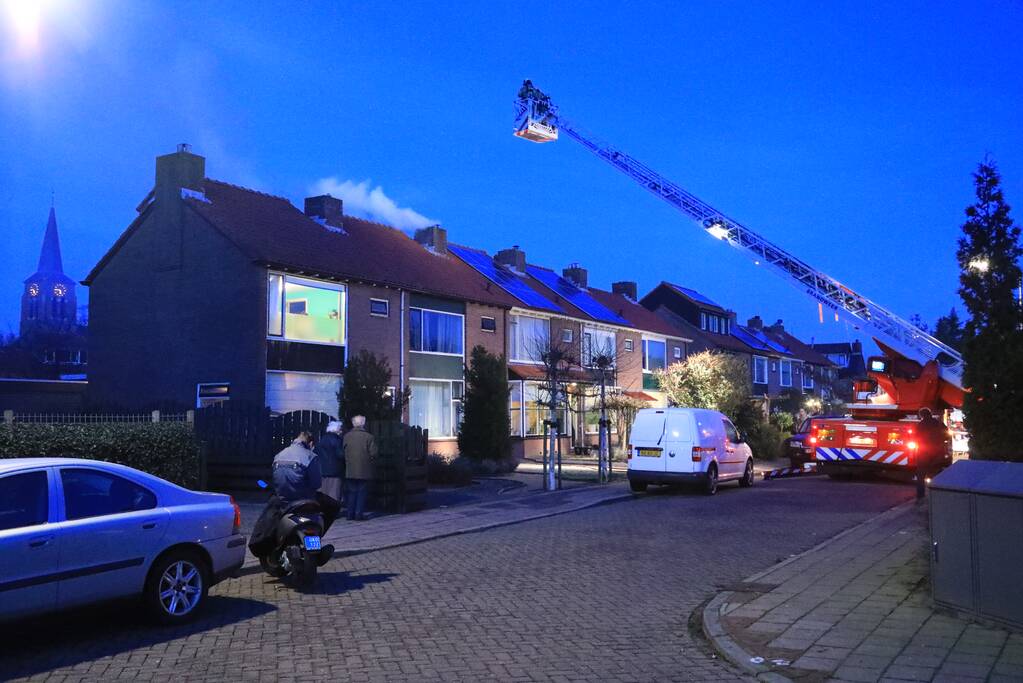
<point>165,449</point>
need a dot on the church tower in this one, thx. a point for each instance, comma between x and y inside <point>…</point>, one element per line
<point>49,302</point>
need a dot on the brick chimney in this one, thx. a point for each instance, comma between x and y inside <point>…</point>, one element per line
<point>513,258</point>
<point>777,327</point>
<point>627,289</point>
<point>575,274</point>
<point>181,169</point>
<point>755,323</point>
<point>326,207</point>
<point>434,237</point>
<point>857,347</point>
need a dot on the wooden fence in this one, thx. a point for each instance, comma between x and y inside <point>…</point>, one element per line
<point>238,443</point>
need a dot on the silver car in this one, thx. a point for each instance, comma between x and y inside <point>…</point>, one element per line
<point>79,531</point>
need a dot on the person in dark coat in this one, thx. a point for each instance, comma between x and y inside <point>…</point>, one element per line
<point>360,455</point>
<point>330,452</point>
<point>931,437</point>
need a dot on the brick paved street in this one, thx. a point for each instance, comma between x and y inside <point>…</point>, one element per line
<point>605,593</point>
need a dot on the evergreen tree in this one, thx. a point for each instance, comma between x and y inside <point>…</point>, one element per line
<point>988,255</point>
<point>949,329</point>
<point>485,433</point>
<point>365,390</point>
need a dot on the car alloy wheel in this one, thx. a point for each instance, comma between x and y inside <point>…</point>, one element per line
<point>711,487</point>
<point>749,476</point>
<point>180,588</point>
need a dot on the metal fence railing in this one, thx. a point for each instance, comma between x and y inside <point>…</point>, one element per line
<point>11,417</point>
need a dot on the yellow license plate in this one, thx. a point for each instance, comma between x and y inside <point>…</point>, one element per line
<point>649,452</point>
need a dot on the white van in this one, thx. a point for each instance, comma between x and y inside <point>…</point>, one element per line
<point>687,445</point>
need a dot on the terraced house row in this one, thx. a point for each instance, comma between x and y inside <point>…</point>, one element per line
<point>217,292</point>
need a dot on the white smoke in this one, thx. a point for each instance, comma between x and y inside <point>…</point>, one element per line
<point>373,203</point>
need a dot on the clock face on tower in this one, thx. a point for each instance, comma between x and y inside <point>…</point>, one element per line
<point>33,289</point>
<point>59,290</point>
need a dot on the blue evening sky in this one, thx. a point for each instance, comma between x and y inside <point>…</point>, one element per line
<point>844,131</point>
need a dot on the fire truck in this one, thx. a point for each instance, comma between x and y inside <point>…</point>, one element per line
<point>915,371</point>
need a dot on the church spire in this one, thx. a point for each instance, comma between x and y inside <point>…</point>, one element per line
<point>49,258</point>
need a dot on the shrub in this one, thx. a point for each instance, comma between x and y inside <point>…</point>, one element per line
<point>443,472</point>
<point>364,390</point>
<point>485,432</point>
<point>708,379</point>
<point>765,440</point>
<point>165,449</point>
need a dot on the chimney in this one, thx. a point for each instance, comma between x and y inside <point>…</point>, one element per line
<point>513,258</point>
<point>627,289</point>
<point>778,326</point>
<point>434,237</point>
<point>182,169</point>
<point>326,207</point>
<point>755,323</point>
<point>857,347</point>
<point>576,274</point>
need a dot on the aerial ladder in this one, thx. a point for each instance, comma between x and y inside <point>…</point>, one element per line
<point>916,369</point>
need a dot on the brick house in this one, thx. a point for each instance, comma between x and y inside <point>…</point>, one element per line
<point>219,292</point>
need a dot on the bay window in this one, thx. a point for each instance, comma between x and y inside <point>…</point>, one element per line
<point>528,338</point>
<point>436,405</point>
<point>527,409</point>
<point>654,355</point>
<point>435,332</point>
<point>305,310</point>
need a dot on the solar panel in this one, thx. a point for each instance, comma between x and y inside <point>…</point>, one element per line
<point>695,296</point>
<point>503,279</point>
<point>758,340</point>
<point>579,298</point>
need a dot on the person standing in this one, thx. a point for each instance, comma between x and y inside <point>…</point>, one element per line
<point>931,436</point>
<point>330,453</point>
<point>360,454</point>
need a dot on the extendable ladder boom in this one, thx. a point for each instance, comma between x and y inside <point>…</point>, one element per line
<point>536,115</point>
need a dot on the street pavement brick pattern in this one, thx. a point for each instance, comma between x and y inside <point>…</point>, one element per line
<point>859,609</point>
<point>606,593</point>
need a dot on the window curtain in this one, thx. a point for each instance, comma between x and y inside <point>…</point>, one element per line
<point>529,337</point>
<point>442,333</point>
<point>430,407</point>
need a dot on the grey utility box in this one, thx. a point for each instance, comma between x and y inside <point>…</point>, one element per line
<point>977,540</point>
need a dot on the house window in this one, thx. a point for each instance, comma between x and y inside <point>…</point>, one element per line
<point>628,345</point>
<point>597,343</point>
<point>488,324</point>
<point>210,393</point>
<point>527,410</point>
<point>528,338</point>
<point>786,373</point>
<point>49,357</point>
<point>305,310</point>
<point>677,353</point>
<point>436,405</point>
<point>654,355</point>
<point>839,359</point>
<point>380,307</point>
<point>714,323</point>
<point>759,370</point>
<point>435,332</point>
<point>567,336</point>
<point>703,321</point>
<point>808,378</point>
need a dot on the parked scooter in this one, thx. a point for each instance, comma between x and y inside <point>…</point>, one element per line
<point>297,549</point>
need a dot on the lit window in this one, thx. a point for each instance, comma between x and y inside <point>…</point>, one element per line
<point>677,353</point>
<point>488,324</point>
<point>436,406</point>
<point>759,370</point>
<point>435,332</point>
<point>379,307</point>
<point>305,310</point>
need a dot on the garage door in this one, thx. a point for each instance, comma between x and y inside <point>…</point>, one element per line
<point>288,391</point>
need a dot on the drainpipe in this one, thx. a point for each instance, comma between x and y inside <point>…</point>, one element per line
<point>401,352</point>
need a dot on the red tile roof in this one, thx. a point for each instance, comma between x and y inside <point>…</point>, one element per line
<point>537,373</point>
<point>271,230</point>
<point>641,318</point>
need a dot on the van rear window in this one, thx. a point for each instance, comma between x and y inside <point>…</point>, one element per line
<point>649,426</point>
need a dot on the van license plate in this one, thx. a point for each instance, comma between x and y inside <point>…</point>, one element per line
<point>649,452</point>
<point>312,542</point>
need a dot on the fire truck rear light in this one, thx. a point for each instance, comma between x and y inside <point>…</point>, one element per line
<point>912,445</point>
<point>813,439</point>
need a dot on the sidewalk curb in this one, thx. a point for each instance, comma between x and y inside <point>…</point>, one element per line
<point>252,564</point>
<point>727,647</point>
